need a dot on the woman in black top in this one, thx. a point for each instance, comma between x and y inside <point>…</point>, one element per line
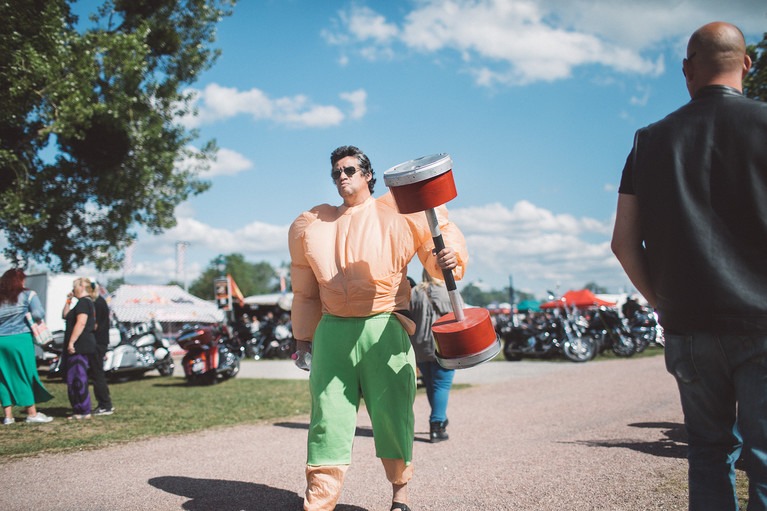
<point>79,345</point>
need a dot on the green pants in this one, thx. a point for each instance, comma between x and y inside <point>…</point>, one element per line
<point>354,357</point>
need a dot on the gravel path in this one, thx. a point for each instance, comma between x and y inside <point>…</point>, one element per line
<point>537,436</point>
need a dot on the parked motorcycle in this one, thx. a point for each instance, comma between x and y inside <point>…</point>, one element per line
<point>611,332</point>
<point>48,353</point>
<point>547,336</point>
<point>274,339</point>
<point>138,350</point>
<point>645,328</point>
<point>213,353</point>
<point>131,352</point>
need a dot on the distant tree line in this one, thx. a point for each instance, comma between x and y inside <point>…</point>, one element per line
<point>251,278</point>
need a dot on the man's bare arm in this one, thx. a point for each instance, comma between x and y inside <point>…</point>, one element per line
<point>628,247</point>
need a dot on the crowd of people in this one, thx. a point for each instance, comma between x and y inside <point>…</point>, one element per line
<point>86,338</point>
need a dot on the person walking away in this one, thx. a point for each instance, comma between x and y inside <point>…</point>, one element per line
<point>20,383</point>
<point>429,301</point>
<point>79,347</point>
<point>96,360</point>
<point>691,234</point>
<point>350,305</point>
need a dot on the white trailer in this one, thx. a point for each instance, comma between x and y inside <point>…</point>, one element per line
<point>52,288</point>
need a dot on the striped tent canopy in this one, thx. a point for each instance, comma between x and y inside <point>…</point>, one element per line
<point>167,304</point>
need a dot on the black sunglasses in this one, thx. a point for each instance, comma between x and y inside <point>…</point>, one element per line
<point>349,171</point>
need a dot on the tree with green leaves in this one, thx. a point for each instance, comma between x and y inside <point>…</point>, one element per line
<point>252,279</point>
<point>90,138</point>
<point>755,82</point>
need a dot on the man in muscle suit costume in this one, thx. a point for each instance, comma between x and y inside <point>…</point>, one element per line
<point>351,294</point>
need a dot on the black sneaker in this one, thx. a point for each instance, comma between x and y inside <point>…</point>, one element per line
<point>103,411</point>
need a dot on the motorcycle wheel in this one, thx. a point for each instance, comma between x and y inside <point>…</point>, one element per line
<point>254,350</point>
<point>510,354</point>
<point>642,342</point>
<point>232,372</point>
<point>580,349</point>
<point>166,366</point>
<point>624,346</point>
<point>208,378</point>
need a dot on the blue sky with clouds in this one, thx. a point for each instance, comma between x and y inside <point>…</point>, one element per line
<point>536,101</point>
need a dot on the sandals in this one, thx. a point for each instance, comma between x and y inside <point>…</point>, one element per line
<point>399,505</point>
<point>78,416</point>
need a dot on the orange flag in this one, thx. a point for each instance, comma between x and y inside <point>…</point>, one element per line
<point>236,291</point>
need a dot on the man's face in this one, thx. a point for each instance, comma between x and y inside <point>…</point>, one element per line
<point>354,186</point>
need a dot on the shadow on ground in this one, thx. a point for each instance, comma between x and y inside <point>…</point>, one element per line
<point>219,495</point>
<point>360,431</point>
<point>673,445</point>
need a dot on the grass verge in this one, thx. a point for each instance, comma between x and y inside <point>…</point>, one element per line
<point>154,406</point>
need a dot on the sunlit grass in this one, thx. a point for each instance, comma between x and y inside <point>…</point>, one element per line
<point>154,406</point>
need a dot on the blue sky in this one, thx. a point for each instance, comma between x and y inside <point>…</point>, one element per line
<point>536,101</point>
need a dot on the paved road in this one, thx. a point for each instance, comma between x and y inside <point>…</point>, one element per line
<point>603,435</point>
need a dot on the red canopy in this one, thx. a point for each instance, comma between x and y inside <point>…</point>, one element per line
<point>582,298</point>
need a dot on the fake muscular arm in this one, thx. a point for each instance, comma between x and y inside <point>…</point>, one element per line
<point>306,306</point>
<point>306,310</point>
<point>628,247</point>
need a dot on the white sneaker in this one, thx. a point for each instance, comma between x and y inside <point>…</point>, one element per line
<point>8,420</point>
<point>40,417</point>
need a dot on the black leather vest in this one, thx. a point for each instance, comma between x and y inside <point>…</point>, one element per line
<point>700,177</point>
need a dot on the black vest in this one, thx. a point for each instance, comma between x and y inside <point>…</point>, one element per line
<point>700,177</point>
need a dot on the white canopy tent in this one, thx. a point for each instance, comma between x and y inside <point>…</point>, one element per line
<point>167,304</point>
<point>283,300</point>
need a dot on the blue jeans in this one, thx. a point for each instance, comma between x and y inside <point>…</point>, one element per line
<point>722,382</point>
<point>438,381</point>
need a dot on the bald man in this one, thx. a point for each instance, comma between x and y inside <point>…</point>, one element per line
<point>691,234</point>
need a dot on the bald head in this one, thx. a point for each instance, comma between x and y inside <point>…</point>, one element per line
<point>716,55</point>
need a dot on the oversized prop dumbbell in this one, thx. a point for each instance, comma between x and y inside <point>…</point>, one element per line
<point>466,337</point>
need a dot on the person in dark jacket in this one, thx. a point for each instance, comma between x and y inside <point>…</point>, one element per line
<point>96,360</point>
<point>691,234</point>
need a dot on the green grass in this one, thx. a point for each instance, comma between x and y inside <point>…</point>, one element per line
<point>154,406</point>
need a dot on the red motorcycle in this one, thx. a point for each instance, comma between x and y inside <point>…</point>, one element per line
<point>213,353</point>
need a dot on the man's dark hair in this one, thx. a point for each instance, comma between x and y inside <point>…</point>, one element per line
<point>362,160</point>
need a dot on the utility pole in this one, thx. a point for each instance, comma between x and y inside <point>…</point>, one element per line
<point>181,263</point>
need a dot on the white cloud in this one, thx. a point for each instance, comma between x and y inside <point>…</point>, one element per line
<point>511,42</point>
<point>517,42</point>
<point>537,246</point>
<point>216,103</point>
<point>227,163</point>
<point>523,220</point>
<point>642,25</point>
<point>540,249</point>
<point>365,23</point>
<point>254,238</point>
<point>358,99</point>
<point>643,95</point>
